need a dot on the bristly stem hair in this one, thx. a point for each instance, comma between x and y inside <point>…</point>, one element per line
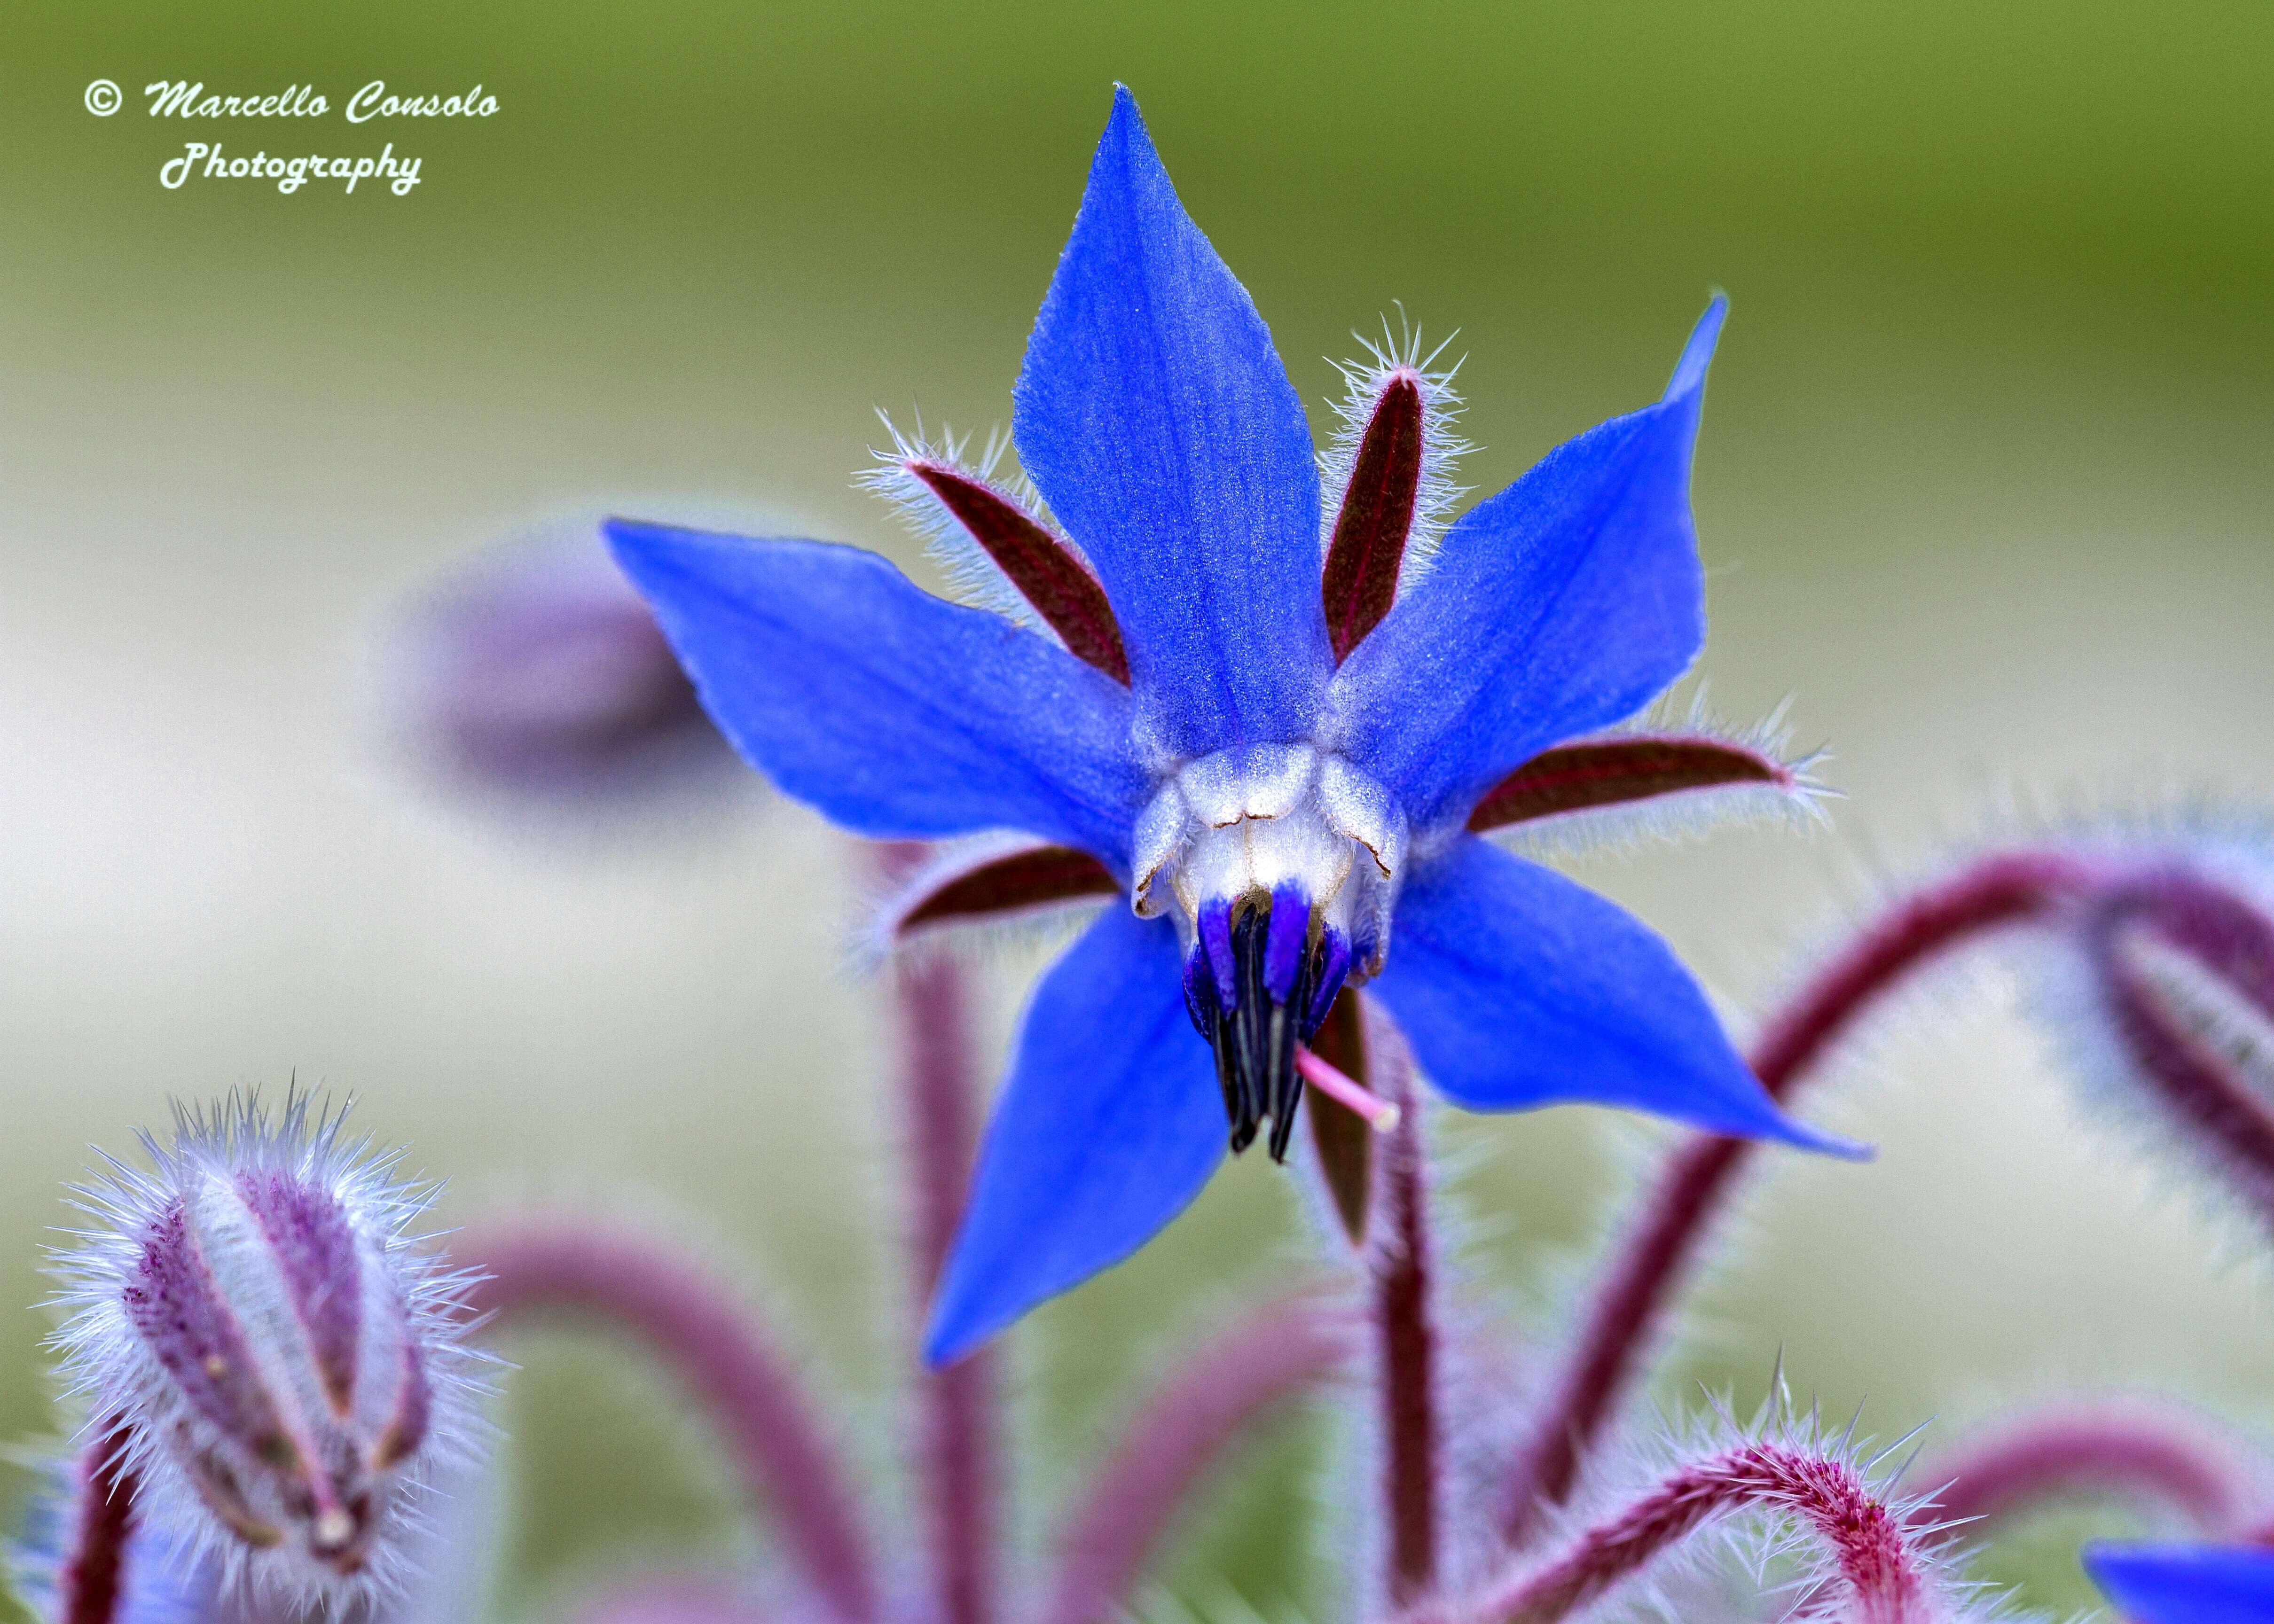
<point>960,1469</point>
<point>1402,1261</point>
<point>1873,1555</point>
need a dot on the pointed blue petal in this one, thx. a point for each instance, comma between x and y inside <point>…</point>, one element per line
<point>1517,988</point>
<point>1564,603</point>
<point>1155,417</point>
<point>1110,1125</point>
<point>894,712</point>
<point>2186,1584</point>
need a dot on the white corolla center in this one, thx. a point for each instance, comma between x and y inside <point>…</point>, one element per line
<point>1258,820</point>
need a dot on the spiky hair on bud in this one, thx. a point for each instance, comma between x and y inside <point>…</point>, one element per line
<point>283,1351</point>
<point>1391,359</point>
<point>1817,1523</point>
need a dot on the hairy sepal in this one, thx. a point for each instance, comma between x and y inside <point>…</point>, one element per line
<point>1391,361</point>
<point>1664,777</point>
<point>986,891</point>
<point>994,547</point>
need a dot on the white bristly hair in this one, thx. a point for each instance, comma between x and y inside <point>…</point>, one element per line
<point>1396,356</point>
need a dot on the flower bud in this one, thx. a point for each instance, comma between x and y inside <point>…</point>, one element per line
<point>283,1355</point>
<point>2181,964</point>
<point>537,673</point>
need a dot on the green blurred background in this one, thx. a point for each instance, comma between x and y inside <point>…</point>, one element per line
<point>1986,482</point>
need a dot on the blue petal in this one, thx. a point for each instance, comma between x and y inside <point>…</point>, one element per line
<point>1564,603</point>
<point>1155,417</point>
<point>1517,988</point>
<point>895,713</point>
<point>2186,1584</point>
<point>1111,1124</point>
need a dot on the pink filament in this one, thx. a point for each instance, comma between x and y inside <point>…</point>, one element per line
<point>1377,1113</point>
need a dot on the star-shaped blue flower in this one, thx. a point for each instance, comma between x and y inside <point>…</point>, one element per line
<point>2186,1584</point>
<point>1275,737</point>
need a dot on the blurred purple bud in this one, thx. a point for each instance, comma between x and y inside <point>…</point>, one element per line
<point>2182,971</point>
<point>537,672</point>
<point>282,1352</point>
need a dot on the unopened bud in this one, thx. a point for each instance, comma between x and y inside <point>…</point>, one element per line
<point>2182,969</point>
<point>281,1352</point>
<point>537,672</point>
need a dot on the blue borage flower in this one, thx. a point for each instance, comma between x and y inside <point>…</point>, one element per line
<point>1262,729</point>
<point>2186,1584</point>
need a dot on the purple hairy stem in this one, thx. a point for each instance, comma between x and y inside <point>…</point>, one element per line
<point>1663,1238</point>
<point>1402,1261</point>
<point>2151,1455</point>
<point>776,1437</point>
<point>1180,1430</point>
<point>90,1571</point>
<point>961,1433</point>
<point>2219,949</point>
<point>1873,1555</point>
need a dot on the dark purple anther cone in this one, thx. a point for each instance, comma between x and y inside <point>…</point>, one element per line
<point>1258,983</point>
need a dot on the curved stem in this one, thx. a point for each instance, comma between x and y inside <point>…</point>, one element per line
<point>1662,1239</point>
<point>1179,1431</point>
<point>721,1350</point>
<point>1402,1261</point>
<point>98,1519</point>
<point>2160,1454</point>
<point>1873,1553</point>
<point>960,1431</point>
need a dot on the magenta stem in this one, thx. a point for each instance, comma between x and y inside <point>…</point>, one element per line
<point>1662,1239</point>
<point>1183,1428</point>
<point>1402,1261</point>
<point>91,1573</point>
<point>961,1438</point>
<point>773,1433</point>
<point>2158,1454</point>
<point>1871,1553</point>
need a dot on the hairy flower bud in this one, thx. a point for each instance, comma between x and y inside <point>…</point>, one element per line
<point>2180,962</point>
<point>283,1354</point>
<point>537,673</point>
